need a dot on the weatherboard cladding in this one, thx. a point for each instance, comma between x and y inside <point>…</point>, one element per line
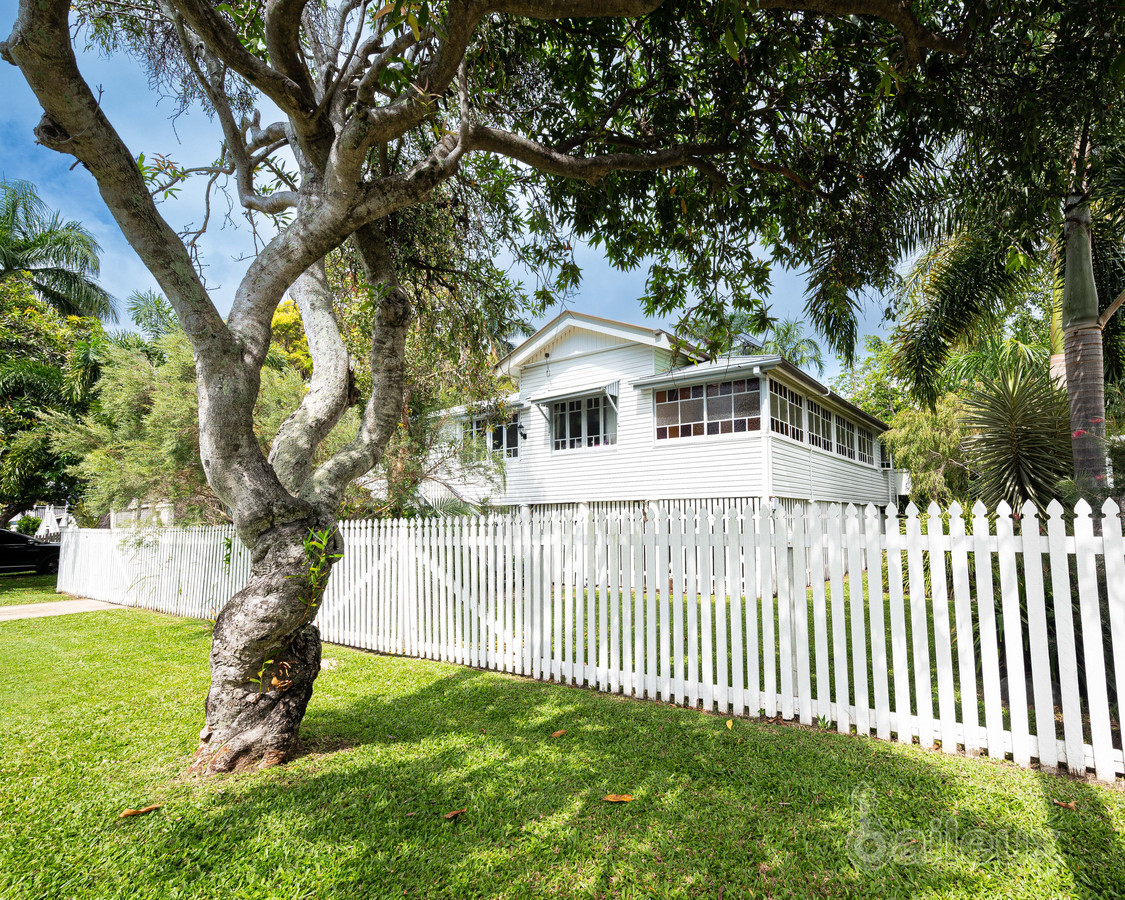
<point>635,467</point>
<point>582,362</point>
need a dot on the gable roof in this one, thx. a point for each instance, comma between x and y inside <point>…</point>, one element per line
<point>568,319</point>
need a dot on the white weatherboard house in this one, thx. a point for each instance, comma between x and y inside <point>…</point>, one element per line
<point>611,413</point>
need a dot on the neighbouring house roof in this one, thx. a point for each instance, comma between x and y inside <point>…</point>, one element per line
<point>639,334</point>
<point>733,366</point>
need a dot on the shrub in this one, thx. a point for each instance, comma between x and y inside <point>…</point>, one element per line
<point>28,524</point>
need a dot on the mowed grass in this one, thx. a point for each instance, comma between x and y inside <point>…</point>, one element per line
<point>19,589</point>
<point>100,711</point>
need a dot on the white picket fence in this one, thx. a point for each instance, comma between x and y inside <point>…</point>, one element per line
<point>707,611</point>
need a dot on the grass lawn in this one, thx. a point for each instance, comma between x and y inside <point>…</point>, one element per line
<point>18,589</point>
<point>99,712</point>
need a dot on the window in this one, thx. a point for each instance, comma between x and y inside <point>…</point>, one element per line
<point>721,407</point>
<point>884,456</point>
<point>845,437</point>
<point>785,411</point>
<point>585,422</point>
<point>820,426</point>
<point>504,438</point>
<point>866,447</point>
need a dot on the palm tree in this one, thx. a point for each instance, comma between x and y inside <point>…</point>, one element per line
<point>747,333</point>
<point>786,338</point>
<point>59,259</point>
<point>974,275</point>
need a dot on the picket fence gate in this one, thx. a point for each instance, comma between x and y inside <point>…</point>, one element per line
<point>961,642</point>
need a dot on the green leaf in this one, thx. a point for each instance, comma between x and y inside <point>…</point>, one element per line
<point>730,43</point>
<point>1016,260</point>
<point>1117,68</point>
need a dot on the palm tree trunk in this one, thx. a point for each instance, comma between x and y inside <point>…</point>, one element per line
<point>1082,340</point>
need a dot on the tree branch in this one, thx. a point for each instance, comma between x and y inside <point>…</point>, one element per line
<point>212,84</point>
<point>898,13</point>
<point>591,168</point>
<point>381,415</point>
<point>74,124</point>
<point>321,408</point>
<point>220,38</point>
<point>283,41</point>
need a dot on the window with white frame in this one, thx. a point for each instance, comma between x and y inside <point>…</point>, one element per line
<point>502,438</point>
<point>845,437</point>
<point>820,426</point>
<point>866,447</point>
<point>884,456</point>
<point>583,422</point>
<point>720,407</point>
<point>786,411</point>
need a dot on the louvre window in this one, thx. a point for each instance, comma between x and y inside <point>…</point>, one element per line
<point>721,407</point>
<point>585,422</point>
<point>786,411</point>
<point>820,426</point>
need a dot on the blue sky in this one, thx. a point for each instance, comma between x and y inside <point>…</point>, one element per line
<point>149,125</point>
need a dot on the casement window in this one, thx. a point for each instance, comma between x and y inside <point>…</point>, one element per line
<point>884,456</point>
<point>504,438</point>
<point>845,437</point>
<point>786,411</point>
<point>866,447</point>
<point>721,407</point>
<point>583,422</point>
<point>820,426</point>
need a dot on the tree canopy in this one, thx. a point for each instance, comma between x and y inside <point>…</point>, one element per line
<point>45,368</point>
<point>687,135</point>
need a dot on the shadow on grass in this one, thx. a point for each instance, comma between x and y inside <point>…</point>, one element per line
<point>1093,850</point>
<point>755,809</point>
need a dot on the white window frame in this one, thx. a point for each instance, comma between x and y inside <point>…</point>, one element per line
<point>845,437</point>
<point>821,427</point>
<point>499,438</point>
<point>865,447</point>
<point>710,420</point>
<point>607,418</point>
<point>787,412</point>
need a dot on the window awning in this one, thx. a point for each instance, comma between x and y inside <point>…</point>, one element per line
<point>610,390</point>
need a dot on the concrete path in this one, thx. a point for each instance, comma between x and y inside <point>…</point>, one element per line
<point>55,608</point>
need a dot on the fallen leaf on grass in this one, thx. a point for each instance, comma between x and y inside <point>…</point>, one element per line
<point>138,812</point>
<point>1065,804</point>
<point>617,798</point>
<point>730,724</point>
<point>559,733</point>
<point>453,814</point>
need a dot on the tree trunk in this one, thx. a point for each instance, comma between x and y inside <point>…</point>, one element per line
<point>1085,377</point>
<point>265,652</point>
<point>8,513</point>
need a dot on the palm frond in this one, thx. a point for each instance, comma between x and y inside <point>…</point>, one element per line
<point>72,294</point>
<point>60,258</point>
<point>952,294</point>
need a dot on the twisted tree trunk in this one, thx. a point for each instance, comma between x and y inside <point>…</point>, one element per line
<point>265,653</point>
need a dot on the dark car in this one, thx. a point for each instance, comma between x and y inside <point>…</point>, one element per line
<point>20,553</point>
